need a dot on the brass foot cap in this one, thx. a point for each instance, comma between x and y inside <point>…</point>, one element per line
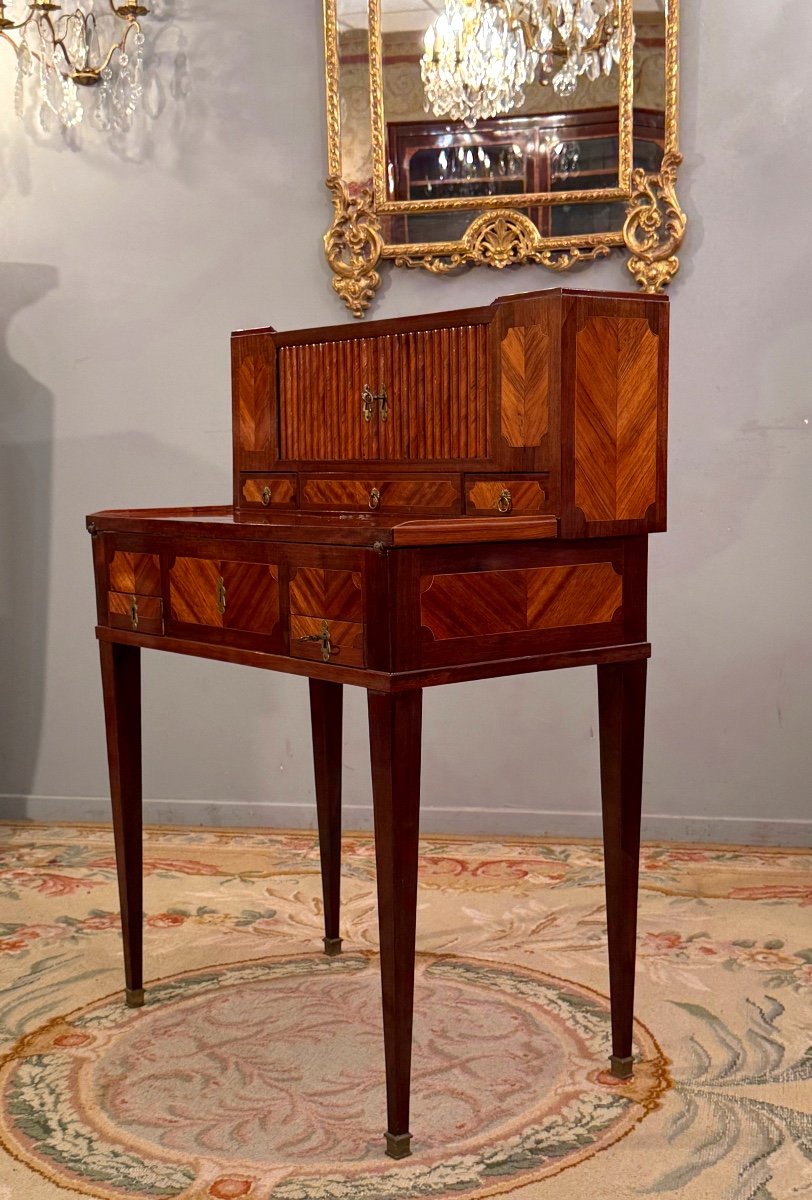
<point>621,1068</point>
<point>332,946</point>
<point>398,1145</point>
<point>134,997</point>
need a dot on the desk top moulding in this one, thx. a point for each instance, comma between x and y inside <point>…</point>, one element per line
<point>560,179</point>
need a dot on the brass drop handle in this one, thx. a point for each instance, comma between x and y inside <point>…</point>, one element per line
<point>134,612</point>
<point>505,501</point>
<point>374,498</point>
<point>327,648</point>
<point>266,496</point>
<point>369,399</point>
<point>221,595</point>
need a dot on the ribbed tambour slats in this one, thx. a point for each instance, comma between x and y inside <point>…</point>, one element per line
<point>436,383</point>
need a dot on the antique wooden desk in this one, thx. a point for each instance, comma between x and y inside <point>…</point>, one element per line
<point>439,499</point>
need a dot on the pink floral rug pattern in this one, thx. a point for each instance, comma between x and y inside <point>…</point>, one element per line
<point>256,1068</point>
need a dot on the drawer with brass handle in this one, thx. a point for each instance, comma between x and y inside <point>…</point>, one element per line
<point>268,491</point>
<point>438,494</point>
<point>505,496</point>
<point>327,641</point>
<point>139,614</point>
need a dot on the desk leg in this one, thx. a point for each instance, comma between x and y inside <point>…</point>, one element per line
<point>394,734</point>
<point>622,710</point>
<point>121,684</point>
<point>326,713</point>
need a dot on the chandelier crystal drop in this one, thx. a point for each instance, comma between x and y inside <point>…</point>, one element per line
<point>479,55</point>
<point>71,64</point>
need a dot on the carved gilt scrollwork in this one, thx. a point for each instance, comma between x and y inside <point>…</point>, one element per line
<point>499,239</point>
<point>655,225</point>
<point>353,246</point>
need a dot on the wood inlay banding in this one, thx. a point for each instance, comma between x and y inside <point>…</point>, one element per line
<point>482,603</point>
<point>525,385</point>
<point>616,418</point>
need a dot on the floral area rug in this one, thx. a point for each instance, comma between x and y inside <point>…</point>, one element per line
<point>256,1067</point>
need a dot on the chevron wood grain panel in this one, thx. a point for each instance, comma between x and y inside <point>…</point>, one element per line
<point>193,591</point>
<point>483,603</point>
<point>143,614</point>
<point>432,495</point>
<point>616,418</point>
<point>321,592</point>
<point>282,489</point>
<point>139,573</point>
<point>525,385</point>
<point>346,638</point>
<point>436,387</point>
<point>526,495</point>
<point>251,379</point>
<point>252,596</point>
<point>586,594</point>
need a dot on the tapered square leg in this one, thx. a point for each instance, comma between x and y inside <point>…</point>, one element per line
<point>326,718</point>
<point>395,742</point>
<point>121,684</point>
<point>622,706</point>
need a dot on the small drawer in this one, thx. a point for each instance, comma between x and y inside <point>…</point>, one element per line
<point>138,574</point>
<point>439,494</point>
<point>268,491</point>
<point>508,496</point>
<point>323,640</point>
<point>139,614</point>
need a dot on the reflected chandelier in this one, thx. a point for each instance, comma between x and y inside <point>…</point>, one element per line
<point>65,56</point>
<point>480,54</point>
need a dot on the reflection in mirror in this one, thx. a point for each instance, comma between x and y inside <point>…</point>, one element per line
<point>560,133</point>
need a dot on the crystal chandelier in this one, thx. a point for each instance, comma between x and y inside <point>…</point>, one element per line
<point>480,54</point>
<point>66,60</point>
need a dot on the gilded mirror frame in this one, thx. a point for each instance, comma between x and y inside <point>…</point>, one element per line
<point>502,235</point>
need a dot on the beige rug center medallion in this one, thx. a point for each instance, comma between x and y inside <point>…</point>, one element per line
<point>256,1068</point>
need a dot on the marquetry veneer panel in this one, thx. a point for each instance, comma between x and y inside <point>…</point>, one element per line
<point>319,592</point>
<point>525,385</point>
<point>251,383</point>
<point>223,594</point>
<point>135,573</point>
<point>482,603</point>
<point>269,491</point>
<point>436,388</point>
<point>616,418</point>
<point>438,494</point>
<point>516,496</point>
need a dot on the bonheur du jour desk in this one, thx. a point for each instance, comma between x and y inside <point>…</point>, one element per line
<point>437,499</point>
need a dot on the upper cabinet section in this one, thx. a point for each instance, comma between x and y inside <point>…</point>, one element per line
<point>566,385</point>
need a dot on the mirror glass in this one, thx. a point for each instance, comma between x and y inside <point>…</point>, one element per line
<point>459,135</point>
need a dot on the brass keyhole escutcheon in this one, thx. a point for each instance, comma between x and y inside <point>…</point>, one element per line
<point>266,496</point>
<point>505,501</point>
<point>323,637</point>
<point>221,595</point>
<point>134,612</point>
<point>369,399</point>
<point>374,498</point>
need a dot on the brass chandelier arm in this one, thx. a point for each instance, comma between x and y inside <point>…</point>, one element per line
<point>132,24</point>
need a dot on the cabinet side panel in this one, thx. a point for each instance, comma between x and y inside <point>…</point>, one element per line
<point>253,401</point>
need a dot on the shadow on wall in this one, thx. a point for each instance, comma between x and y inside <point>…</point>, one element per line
<point>26,451</point>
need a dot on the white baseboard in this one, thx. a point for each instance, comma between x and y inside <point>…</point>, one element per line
<point>493,822</point>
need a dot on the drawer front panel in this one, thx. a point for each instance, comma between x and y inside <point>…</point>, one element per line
<point>435,384</point>
<point>485,602</point>
<point>436,495</point>
<point>503,497</point>
<point>135,573</point>
<point>139,614</point>
<point>339,642</point>
<point>318,592</point>
<point>268,491</point>
<point>221,594</point>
